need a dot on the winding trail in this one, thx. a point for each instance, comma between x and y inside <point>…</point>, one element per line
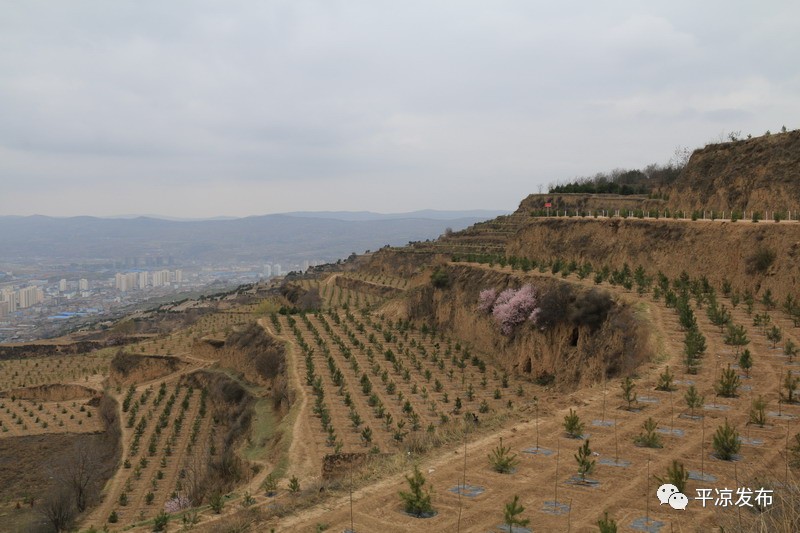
<point>304,458</point>
<point>624,491</point>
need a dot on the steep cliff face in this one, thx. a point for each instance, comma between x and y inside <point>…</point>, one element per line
<point>588,334</point>
<point>755,174</point>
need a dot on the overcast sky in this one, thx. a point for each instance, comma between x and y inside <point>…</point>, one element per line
<point>197,108</point>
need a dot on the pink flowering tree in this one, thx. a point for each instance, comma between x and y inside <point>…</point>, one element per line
<point>511,307</point>
<point>177,504</point>
<point>486,300</point>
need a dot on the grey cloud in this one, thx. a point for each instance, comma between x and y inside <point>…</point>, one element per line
<point>463,103</point>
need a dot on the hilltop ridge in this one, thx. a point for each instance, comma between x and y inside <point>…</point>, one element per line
<point>761,173</point>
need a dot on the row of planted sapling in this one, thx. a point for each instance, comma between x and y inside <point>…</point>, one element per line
<point>684,294</point>
<point>27,417</point>
<point>31,372</point>
<point>167,423</point>
<point>395,387</point>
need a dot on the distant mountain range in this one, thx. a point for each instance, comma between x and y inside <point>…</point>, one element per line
<point>431,214</point>
<point>281,237</point>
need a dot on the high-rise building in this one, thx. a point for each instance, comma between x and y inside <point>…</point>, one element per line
<point>276,269</point>
<point>9,296</point>
<point>178,275</point>
<point>160,278</point>
<point>62,285</point>
<point>126,282</point>
<point>30,296</point>
<point>142,280</point>
<point>83,284</point>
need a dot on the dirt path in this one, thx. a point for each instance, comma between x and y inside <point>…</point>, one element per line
<point>625,491</point>
<point>100,514</point>
<point>304,459</point>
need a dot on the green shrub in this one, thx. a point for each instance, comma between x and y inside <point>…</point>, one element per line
<point>693,399</point>
<point>502,460</point>
<point>583,458</point>
<point>270,485</point>
<point>676,475</point>
<point>511,514</point>
<point>417,501</point>
<point>726,442</point>
<point>758,413</point>
<point>790,383</point>
<point>628,392</point>
<point>606,524</point>
<point>573,425</point>
<point>160,521</point>
<point>760,261</point>
<point>665,381</point>
<point>746,362</point>
<point>649,438</point>
<point>216,501</point>
<point>728,383</point>
<point>440,279</point>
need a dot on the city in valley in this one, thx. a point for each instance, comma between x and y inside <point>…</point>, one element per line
<point>36,302</point>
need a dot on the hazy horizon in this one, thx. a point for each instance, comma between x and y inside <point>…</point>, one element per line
<point>456,213</point>
<point>195,109</point>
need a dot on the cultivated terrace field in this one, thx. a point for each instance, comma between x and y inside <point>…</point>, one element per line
<point>539,372</point>
<point>675,409</point>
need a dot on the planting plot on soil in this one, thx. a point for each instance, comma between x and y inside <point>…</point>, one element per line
<point>366,381</point>
<point>34,371</point>
<point>470,491</point>
<point>700,476</point>
<point>621,486</point>
<point>31,417</point>
<point>538,451</point>
<point>648,525</point>
<point>555,508</point>
<point>397,382</point>
<point>614,462</point>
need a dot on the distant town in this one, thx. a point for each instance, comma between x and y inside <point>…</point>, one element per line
<point>48,300</point>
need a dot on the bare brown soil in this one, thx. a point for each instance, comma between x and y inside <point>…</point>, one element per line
<point>146,368</point>
<point>364,339</point>
<point>758,173</point>
<point>54,392</point>
<point>27,465</point>
<point>626,492</point>
<point>717,250</point>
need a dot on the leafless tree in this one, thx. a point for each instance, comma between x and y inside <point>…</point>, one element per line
<point>78,472</point>
<point>195,474</point>
<point>59,509</point>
